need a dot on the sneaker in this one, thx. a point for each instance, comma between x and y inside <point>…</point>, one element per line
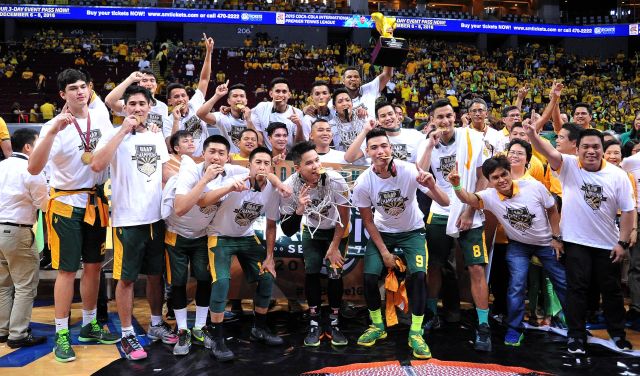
<point>621,343</point>
<point>4,339</point>
<point>220,350</point>
<point>433,323</point>
<point>313,336</point>
<point>575,346</point>
<point>371,335</point>
<point>230,316</point>
<point>62,351</point>
<point>27,341</point>
<point>419,346</point>
<point>184,342</point>
<point>513,338</point>
<point>498,318</point>
<point>265,336</point>
<point>163,332</point>
<point>93,332</point>
<point>483,338</point>
<point>337,337</point>
<point>208,338</point>
<point>197,336</point>
<point>132,348</point>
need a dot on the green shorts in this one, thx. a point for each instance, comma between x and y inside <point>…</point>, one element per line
<point>473,246</point>
<point>440,244</point>
<point>137,250</point>
<point>314,250</point>
<point>411,243</point>
<point>72,240</point>
<point>248,250</point>
<point>181,251</point>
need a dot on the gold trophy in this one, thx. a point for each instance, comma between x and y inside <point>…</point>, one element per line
<point>389,51</point>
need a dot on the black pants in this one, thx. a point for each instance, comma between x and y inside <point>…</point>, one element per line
<point>581,263</point>
<point>499,280</point>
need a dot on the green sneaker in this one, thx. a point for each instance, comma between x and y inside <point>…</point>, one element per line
<point>420,348</point>
<point>371,335</point>
<point>92,332</point>
<point>197,336</point>
<point>62,351</point>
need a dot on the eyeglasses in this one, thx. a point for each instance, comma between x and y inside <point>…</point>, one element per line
<point>516,153</point>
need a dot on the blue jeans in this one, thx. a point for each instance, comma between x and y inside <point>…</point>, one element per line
<point>518,259</point>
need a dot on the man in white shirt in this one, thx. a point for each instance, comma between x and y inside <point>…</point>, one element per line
<point>319,109</point>
<point>137,159</point>
<point>479,122</point>
<point>159,114</point>
<point>246,195</point>
<point>22,194</point>
<point>390,187</point>
<point>347,124</point>
<point>183,113</point>
<point>528,214</point>
<point>278,110</point>
<point>593,193</point>
<point>365,95</point>
<point>78,212</point>
<point>233,122</point>
<point>321,135</point>
<point>632,166</point>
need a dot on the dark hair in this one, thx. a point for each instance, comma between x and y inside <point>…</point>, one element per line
<point>70,76</point>
<point>527,147</point>
<point>381,104</point>
<point>351,67</point>
<point>479,101</point>
<point>299,149</point>
<point>216,139</point>
<point>278,80</point>
<point>320,83</point>
<point>276,125</point>
<point>492,164</point>
<point>175,139</point>
<point>137,89</point>
<point>259,149</point>
<point>148,72</point>
<point>337,92</point>
<point>611,143</point>
<point>582,104</point>
<point>174,86</point>
<point>517,124</point>
<point>590,132</point>
<point>22,137</point>
<point>627,148</point>
<point>439,103</point>
<point>574,131</point>
<point>238,87</point>
<point>318,120</point>
<point>506,111</point>
<point>375,132</point>
<point>249,130</point>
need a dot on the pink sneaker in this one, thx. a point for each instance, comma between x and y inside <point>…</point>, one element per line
<point>132,348</point>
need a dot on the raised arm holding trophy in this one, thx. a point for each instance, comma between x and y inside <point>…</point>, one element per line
<point>389,51</point>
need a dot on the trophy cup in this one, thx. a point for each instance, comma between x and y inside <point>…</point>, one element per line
<point>389,51</point>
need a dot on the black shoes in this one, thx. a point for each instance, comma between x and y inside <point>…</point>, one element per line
<point>265,336</point>
<point>27,341</point>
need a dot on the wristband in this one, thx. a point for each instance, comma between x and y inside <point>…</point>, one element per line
<point>457,187</point>
<point>624,245</point>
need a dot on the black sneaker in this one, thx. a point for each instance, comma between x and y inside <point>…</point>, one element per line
<point>576,346</point>
<point>265,336</point>
<point>337,337</point>
<point>483,338</point>
<point>313,336</point>
<point>621,343</point>
<point>433,323</point>
<point>27,341</point>
<point>220,350</point>
<point>4,339</point>
<point>632,315</point>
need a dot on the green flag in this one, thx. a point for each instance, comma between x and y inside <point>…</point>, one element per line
<point>40,232</point>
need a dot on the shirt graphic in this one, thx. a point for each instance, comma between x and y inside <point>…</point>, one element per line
<point>248,213</point>
<point>392,202</point>
<point>146,158</point>
<point>194,127</point>
<point>447,163</point>
<point>520,219</point>
<point>592,195</point>
<point>94,137</point>
<point>400,151</point>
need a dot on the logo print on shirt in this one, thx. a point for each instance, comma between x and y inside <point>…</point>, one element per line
<point>593,195</point>
<point>324,211</point>
<point>235,134</point>
<point>211,210</point>
<point>392,202</point>
<point>400,151</point>
<point>194,127</point>
<point>520,219</point>
<point>154,119</point>
<point>94,137</point>
<point>248,213</point>
<point>146,158</point>
<point>446,165</point>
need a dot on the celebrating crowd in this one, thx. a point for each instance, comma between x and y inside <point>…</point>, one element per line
<point>572,206</point>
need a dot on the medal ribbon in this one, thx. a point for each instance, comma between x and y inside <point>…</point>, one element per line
<point>86,140</point>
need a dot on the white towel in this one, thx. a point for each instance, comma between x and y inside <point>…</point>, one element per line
<point>470,146</point>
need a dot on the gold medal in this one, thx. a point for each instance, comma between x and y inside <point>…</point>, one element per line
<point>86,157</point>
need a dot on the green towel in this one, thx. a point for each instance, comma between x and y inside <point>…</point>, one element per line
<point>40,232</point>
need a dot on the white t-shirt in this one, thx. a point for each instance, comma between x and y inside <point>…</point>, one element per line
<point>189,68</point>
<point>191,123</point>
<point>136,178</point>
<point>335,189</point>
<point>263,114</point>
<point>369,92</point>
<point>194,223</point>
<point>308,120</point>
<point>405,145</point>
<point>523,215</point>
<point>632,165</point>
<point>333,156</point>
<point>492,142</point>
<point>65,169</point>
<point>394,198</point>
<point>590,203</point>
<point>238,210</point>
<point>97,104</point>
<point>230,128</point>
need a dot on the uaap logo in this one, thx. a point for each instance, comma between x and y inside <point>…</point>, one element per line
<point>392,202</point>
<point>146,159</point>
<point>520,218</point>
<point>248,213</point>
<point>400,151</point>
<point>446,165</point>
<point>94,137</point>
